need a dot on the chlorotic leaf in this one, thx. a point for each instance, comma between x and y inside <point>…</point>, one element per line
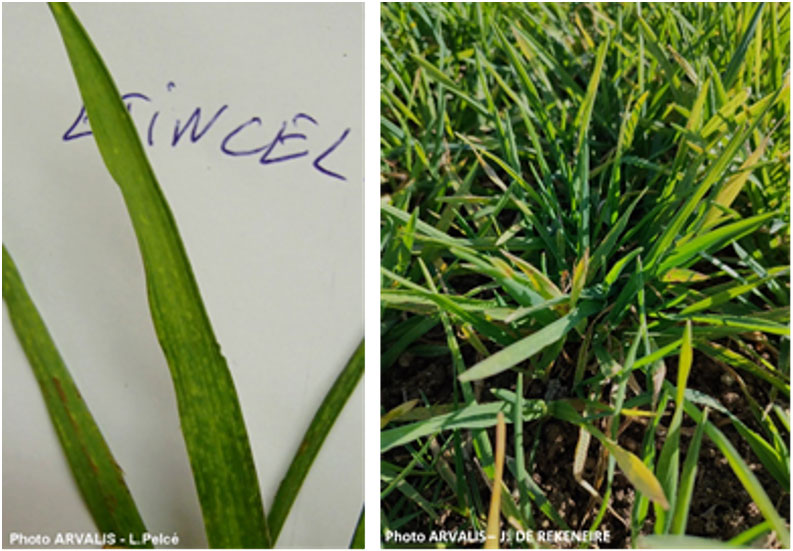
<point>638,473</point>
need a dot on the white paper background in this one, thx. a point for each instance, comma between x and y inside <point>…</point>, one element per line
<point>277,251</point>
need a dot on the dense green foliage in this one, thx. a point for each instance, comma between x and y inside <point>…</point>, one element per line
<point>566,189</point>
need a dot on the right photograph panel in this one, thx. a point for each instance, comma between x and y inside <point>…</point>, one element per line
<point>585,266</point>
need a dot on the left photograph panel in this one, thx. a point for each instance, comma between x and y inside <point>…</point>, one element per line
<point>183,275</point>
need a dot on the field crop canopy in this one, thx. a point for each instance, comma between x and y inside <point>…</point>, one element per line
<point>585,229</point>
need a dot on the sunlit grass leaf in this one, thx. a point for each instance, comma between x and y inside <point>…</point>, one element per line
<point>751,537</point>
<point>713,240</point>
<point>684,365</point>
<point>579,278</point>
<point>211,418</point>
<point>620,265</point>
<point>436,73</point>
<point>585,111</point>
<point>669,459</point>
<point>729,191</point>
<point>737,59</point>
<point>528,346</point>
<point>99,478</point>
<point>474,416</point>
<point>688,479</point>
<point>733,291</point>
<point>682,275</point>
<point>493,516</point>
<point>540,281</point>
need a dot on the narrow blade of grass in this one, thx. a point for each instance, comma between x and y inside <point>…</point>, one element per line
<point>318,430</point>
<point>449,83</point>
<point>358,538</point>
<point>211,418</point>
<point>740,53</point>
<point>669,460</point>
<point>605,248</point>
<point>634,469</point>
<point>527,347</point>
<point>528,487</point>
<point>585,111</point>
<point>474,416</point>
<point>579,278</point>
<point>410,492</point>
<point>494,515</point>
<point>405,472</point>
<point>521,475</point>
<point>688,479</point>
<point>745,475</point>
<point>397,412</point>
<point>733,291</point>
<point>733,185</point>
<point>747,537</point>
<point>95,471</point>
<point>713,240</point>
<point>658,52</point>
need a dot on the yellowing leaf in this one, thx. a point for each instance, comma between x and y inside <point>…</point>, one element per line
<point>579,278</point>
<point>684,366</point>
<point>633,412</point>
<point>638,473</point>
<point>732,187</point>
<point>494,514</point>
<point>544,286</point>
<point>682,275</point>
<point>397,412</point>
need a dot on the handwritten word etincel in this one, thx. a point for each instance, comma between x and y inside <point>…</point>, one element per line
<point>289,143</point>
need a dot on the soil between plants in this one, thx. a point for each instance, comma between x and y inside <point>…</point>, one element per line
<point>720,509</point>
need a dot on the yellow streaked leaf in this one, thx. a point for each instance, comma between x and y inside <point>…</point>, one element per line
<point>397,412</point>
<point>717,121</point>
<point>732,187</point>
<point>682,275</point>
<point>684,367</point>
<point>637,473</point>
<point>687,68</point>
<point>579,278</point>
<point>695,117</point>
<point>633,412</point>
<point>544,286</point>
<point>493,517</point>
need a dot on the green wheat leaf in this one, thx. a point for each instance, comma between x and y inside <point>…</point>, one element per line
<point>312,441</point>
<point>98,476</point>
<point>211,418</point>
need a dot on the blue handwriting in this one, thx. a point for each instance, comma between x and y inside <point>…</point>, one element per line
<point>290,141</point>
